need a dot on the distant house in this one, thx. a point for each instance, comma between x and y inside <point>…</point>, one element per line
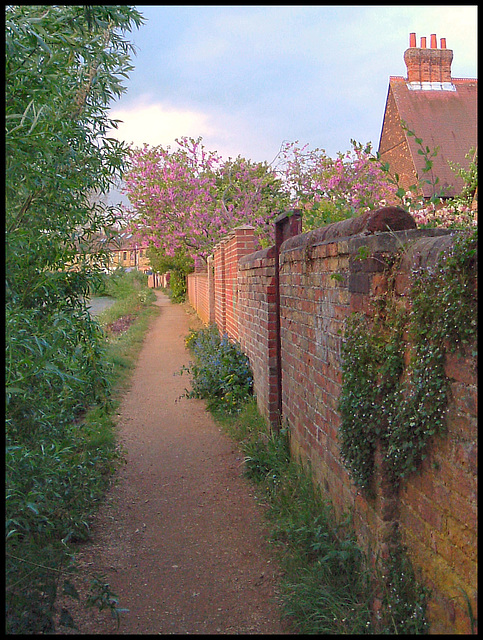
<point>440,109</point>
<point>122,251</point>
<point>127,253</point>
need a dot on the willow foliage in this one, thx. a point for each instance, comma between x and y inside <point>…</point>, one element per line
<point>64,66</point>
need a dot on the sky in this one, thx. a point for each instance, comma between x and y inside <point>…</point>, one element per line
<point>246,78</point>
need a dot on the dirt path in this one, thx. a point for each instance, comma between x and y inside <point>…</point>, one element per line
<point>180,538</point>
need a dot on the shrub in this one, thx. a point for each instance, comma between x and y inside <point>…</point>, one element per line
<point>122,284</point>
<point>61,444</point>
<point>221,372</point>
<point>177,286</point>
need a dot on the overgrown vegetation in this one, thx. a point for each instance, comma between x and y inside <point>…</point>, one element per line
<point>380,404</point>
<point>179,266</point>
<point>177,288</point>
<point>124,339</point>
<point>220,372</point>
<point>64,66</point>
<point>327,586</point>
<point>57,476</point>
<point>470,180</point>
<point>404,598</point>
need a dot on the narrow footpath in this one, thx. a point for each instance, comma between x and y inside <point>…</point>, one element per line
<point>180,539</point>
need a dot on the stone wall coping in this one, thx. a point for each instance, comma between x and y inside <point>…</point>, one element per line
<point>380,220</point>
<point>261,254</point>
<point>425,251</point>
<point>388,241</point>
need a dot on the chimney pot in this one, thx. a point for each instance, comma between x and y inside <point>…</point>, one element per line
<point>428,65</point>
<point>412,40</point>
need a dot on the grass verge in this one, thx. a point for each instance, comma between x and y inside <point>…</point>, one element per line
<point>328,586</point>
<point>125,324</point>
<point>325,586</point>
<point>124,343</point>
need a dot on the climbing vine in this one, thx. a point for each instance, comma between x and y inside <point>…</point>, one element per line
<point>404,598</point>
<point>383,403</point>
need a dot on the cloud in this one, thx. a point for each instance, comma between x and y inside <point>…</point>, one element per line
<point>228,132</point>
<point>159,124</point>
<point>245,78</point>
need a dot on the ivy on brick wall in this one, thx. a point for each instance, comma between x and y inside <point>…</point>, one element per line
<point>381,402</point>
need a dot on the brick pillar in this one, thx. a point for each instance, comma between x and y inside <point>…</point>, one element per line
<point>211,290</point>
<point>287,225</point>
<point>240,242</point>
<point>219,288</point>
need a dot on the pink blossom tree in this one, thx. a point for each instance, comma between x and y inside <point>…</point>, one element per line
<point>328,189</point>
<point>190,198</point>
<point>186,200</point>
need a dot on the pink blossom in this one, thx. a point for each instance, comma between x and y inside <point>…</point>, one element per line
<point>191,197</point>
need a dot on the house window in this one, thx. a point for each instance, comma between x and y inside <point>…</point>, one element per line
<point>140,253</point>
<point>124,255</point>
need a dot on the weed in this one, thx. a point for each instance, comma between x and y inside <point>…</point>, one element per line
<point>404,599</point>
<point>101,597</point>
<point>324,588</point>
<point>328,586</point>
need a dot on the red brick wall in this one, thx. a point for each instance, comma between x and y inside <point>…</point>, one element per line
<point>213,292</point>
<point>220,286</point>
<point>241,242</point>
<point>438,505</point>
<point>257,327</point>
<point>198,292</point>
<point>322,280</point>
<point>226,255</point>
<point>435,511</point>
<point>313,307</point>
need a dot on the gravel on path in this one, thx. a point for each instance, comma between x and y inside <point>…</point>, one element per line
<point>180,538</point>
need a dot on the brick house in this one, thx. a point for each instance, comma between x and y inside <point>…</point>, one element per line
<point>128,253</point>
<point>123,251</point>
<point>440,109</point>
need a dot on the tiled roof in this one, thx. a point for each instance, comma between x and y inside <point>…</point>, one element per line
<point>441,118</point>
<point>123,241</point>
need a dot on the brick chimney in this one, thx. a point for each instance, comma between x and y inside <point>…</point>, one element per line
<point>428,65</point>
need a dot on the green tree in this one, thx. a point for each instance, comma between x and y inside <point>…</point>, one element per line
<point>64,66</point>
<point>179,265</point>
